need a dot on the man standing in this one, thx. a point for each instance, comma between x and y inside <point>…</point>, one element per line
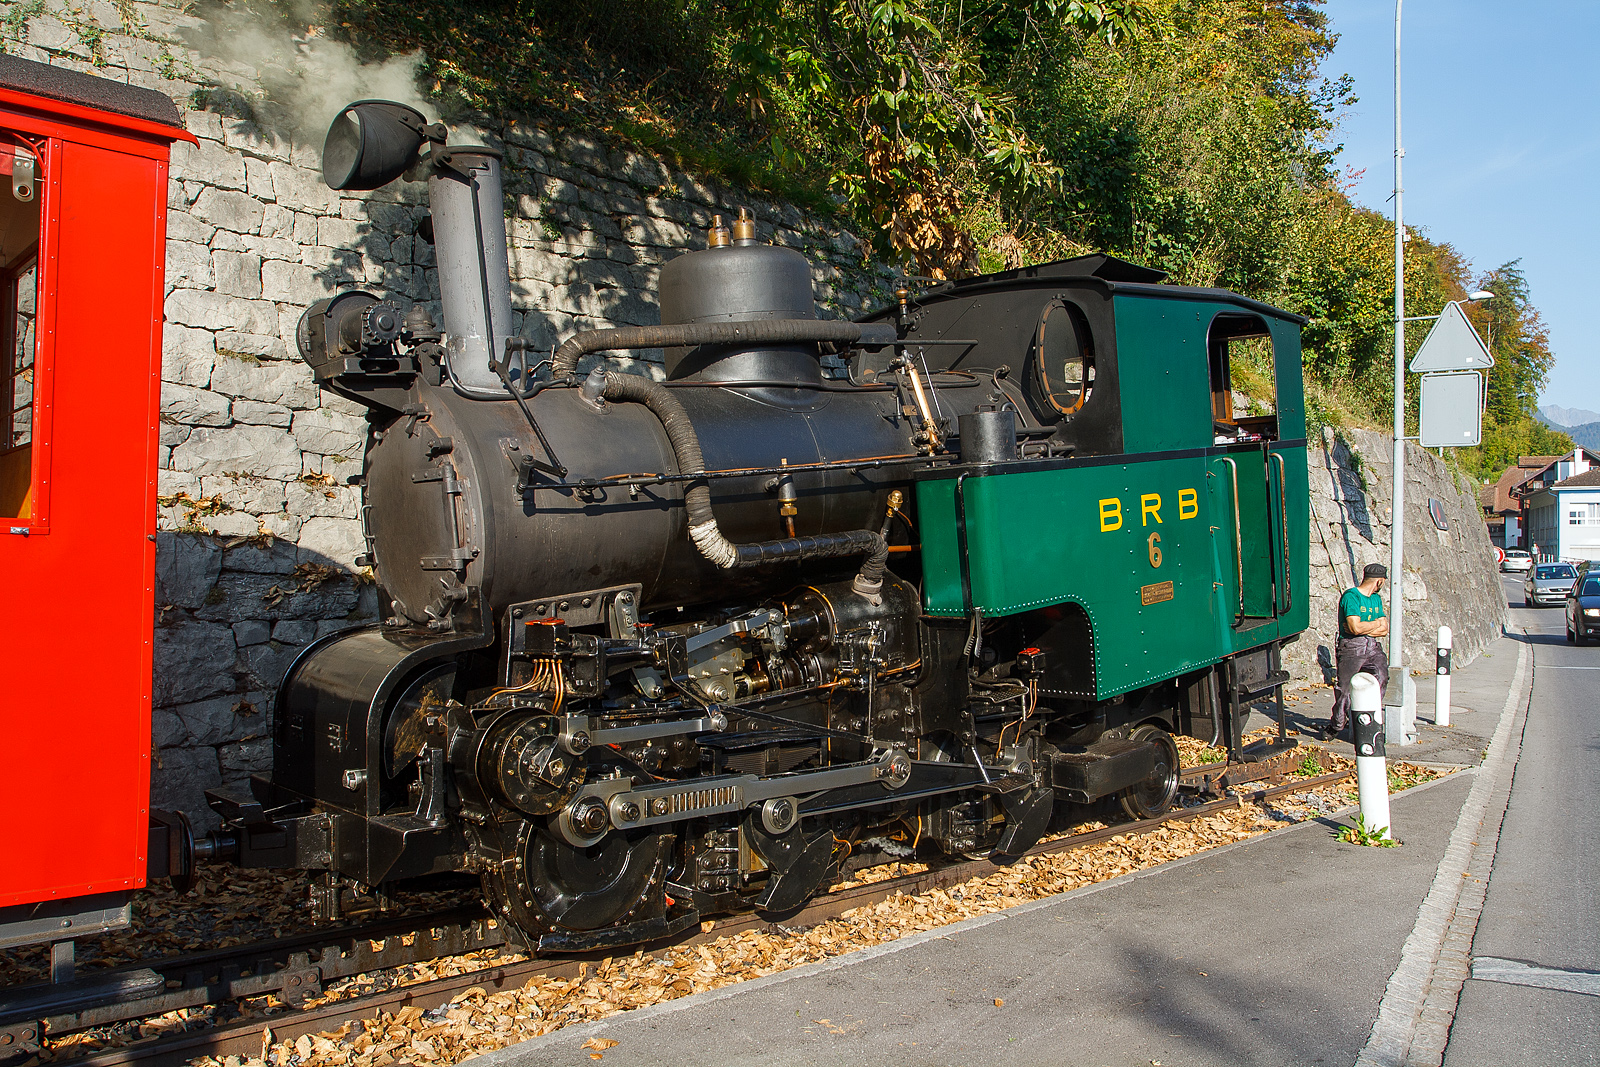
<point>1361,623</point>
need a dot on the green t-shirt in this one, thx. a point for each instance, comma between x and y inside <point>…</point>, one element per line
<point>1364,607</point>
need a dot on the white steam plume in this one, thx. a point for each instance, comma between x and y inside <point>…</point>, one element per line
<point>298,78</point>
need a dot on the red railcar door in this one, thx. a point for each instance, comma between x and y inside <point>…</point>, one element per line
<point>81,263</point>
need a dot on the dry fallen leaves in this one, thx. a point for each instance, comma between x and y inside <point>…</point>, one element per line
<point>477,1021</point>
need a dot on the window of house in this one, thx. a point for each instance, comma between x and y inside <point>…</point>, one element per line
<point>19,254</point>
<point>1583,515</point>
<point>1244,395</point>
<point>1063,358</point>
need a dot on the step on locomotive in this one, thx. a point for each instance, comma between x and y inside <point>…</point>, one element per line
<point>657,648</point>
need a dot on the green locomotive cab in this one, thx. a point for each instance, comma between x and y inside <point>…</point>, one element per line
<point>1150,537</point>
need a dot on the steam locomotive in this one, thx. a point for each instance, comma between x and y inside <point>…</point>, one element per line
<point>660,649</point>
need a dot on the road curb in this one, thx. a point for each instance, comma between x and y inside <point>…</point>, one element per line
<point>1419,1002</point>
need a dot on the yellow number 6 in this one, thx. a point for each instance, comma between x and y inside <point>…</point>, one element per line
<point>1155,552</point>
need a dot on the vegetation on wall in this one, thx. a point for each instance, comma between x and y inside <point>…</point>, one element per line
<point>1195,136</point>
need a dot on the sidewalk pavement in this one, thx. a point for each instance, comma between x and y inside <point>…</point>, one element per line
<point>1477,693</point>
<point>1281,949</point>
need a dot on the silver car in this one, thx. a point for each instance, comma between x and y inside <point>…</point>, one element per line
<point>1517,559</point>
<point>1548,583</point>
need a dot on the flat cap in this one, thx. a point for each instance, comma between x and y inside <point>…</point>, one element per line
<point>1375,570</point>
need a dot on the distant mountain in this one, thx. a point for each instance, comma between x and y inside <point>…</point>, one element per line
<point>1585,436</point>
<point>1561,417</point>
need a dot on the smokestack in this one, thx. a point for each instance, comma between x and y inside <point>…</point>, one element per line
<point>469,234</point>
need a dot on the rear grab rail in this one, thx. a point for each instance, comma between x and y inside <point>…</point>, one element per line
<point>1283,528</point>
<point>1238,532</point>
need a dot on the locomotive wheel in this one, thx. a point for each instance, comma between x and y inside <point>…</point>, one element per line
<point>549,885</point>
<point>554,886</point>
<point>1156,793</point>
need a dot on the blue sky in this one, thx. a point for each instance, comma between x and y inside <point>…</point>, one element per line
<point>1502,139</point>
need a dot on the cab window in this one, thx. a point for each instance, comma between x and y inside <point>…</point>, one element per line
<point>1063,358</point>
<point>1243,382</point>
<point>19,253</point>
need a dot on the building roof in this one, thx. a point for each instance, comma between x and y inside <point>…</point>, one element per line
<point>1497,497</point>
<point>1588,478</point>
<point>1520,484</point>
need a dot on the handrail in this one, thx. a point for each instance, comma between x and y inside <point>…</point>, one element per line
<point>1283,511</point>
<point>1238,534</point>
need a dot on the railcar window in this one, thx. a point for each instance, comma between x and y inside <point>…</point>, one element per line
<point>1244,396</point>
<point>19,246</point>
<point>1063,358</point>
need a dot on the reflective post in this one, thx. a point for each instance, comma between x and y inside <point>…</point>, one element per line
<point>1441,690</point>
<point>1372,766</point>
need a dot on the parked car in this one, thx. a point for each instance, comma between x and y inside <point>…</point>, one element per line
<point>1583,609</point>
<point>1547,583</point>
<point>1517,559</point>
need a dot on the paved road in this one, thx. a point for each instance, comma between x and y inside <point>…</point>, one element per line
<point>1543,905</point>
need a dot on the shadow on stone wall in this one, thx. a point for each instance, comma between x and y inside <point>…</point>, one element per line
<point>232,615</point>
<point>1450,576</point>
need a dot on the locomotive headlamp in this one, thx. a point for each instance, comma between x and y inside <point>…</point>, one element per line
<point>373,142</point>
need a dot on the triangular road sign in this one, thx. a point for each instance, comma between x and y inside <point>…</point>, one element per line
<point>1452,344</point>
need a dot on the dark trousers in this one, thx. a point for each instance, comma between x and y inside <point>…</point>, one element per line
<point>1357,654</point>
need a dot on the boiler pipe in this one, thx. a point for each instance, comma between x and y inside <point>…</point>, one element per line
<point>758,332</point>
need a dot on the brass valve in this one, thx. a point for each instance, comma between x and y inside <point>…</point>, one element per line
<point>744,227</point>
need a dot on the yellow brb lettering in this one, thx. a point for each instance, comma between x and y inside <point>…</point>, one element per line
<point>1188,504</point>
<point>1110,514</point>
<point>1150,505</point>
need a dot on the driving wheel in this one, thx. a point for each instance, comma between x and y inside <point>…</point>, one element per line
<point>1155,794</point>
<point>547,883</point>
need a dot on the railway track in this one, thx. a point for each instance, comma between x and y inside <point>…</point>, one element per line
<point>298,967</point>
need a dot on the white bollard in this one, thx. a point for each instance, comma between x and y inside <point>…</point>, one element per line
<point>1372,766</point>
<point>1441,683</point>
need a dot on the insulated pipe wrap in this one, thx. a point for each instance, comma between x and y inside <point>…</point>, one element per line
<point>703,529</point>
<point>821,546</point>
<point>636,389</point>
<point>760,331</point>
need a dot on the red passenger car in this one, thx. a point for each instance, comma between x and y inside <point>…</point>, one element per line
<point>83,196</point>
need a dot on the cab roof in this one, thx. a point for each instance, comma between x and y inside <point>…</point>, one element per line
<point>1117,275</point>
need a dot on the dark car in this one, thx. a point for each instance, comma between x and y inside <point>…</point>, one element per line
<point>1547,583</point>
<point>1583,609</point>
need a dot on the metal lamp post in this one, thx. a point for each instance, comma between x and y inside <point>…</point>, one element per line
<point>1397,517</point>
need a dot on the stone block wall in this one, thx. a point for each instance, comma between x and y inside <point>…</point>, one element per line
<point>258,526</point>
<point>1451,578</point>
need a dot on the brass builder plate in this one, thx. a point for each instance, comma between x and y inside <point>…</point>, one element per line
<point>1155,594</point>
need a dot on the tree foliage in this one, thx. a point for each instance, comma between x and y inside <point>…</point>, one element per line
<point>1195,136</point>
<point>1520,345</point>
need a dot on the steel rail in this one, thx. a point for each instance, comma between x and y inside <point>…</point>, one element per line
<point>245,1037</point>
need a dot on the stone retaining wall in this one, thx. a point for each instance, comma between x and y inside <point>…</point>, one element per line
<point>258,527</point>
<point>1450,579</point>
